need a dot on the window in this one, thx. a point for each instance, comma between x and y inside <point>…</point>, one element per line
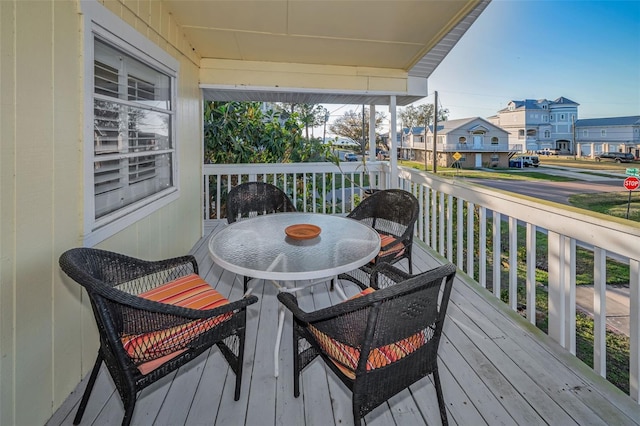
<point>521,134</point>
<point>561,117</point>
<point>531,132</point>
<point>462,139</point>
<point>547,134</point>
<point>603,132</point>
<point>585,133</point>
<point>494,140</point>
<point>131,150</point>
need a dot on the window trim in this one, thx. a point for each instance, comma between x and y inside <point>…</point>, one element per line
<point>99,21</point>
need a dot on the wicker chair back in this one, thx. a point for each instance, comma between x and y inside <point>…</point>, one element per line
<point>251,199</point>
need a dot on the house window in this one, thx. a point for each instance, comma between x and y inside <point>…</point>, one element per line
<point>131,150</point>
<point>585,133</point>
<point>462,139</point>
<point>551,117</point>
<point>521,134</point>
<point>561,117</point>
<point>547,134</point>
<point>603,132</point>
<point>532,132</point>
<point>494,140</point>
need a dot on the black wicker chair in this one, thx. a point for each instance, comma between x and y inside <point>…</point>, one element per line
<point>380,342</point>
<point>251,199</point>
<point>393,213</point>
<point>145,336</point>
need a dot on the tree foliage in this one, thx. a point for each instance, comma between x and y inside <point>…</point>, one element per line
<point>350,125</point>
<point>241,132</point>
<point>418,116</point>
<point>309,115</point>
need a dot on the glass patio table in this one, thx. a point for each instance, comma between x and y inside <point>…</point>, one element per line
<point>260,248</point>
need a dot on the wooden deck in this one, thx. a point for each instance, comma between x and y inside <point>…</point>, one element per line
<point>495,369</point>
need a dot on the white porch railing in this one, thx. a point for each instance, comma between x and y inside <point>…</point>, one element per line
<point>462,238</point>
<point>313,187</point>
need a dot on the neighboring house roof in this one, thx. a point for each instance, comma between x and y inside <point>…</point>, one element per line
<point>566,101</point>
<point>531,104</point>
<point>610,121</point>
<point>445,127</point>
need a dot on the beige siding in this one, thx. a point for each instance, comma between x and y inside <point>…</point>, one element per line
<point>48,339</point>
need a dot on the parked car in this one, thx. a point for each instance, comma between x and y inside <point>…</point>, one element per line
<point>350,156</point>
<point>528,160</point>
<point>548,151</point>
<point>618,157</point>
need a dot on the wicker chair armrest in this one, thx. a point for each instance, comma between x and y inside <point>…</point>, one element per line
<point>385,274</point>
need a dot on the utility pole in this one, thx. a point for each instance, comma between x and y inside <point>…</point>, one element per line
<point>435,132</point>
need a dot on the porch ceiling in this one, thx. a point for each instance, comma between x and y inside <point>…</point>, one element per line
<point>411,36</point>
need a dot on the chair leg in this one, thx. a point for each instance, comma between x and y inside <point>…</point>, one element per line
<point>296,364</point>
<point>441,404</point>
<point>128,411</point>
<point>88,389</point>
<point>246,284</point>
<point>241,336</point>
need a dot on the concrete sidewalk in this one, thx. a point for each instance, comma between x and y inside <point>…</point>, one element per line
<point>617,305</point>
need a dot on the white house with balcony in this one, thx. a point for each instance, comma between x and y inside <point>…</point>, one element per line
<point>536,124</point>
<point>478,142</point>
<point>612,134</point>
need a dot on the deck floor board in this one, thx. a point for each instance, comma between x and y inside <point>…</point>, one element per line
<point>493,371</point>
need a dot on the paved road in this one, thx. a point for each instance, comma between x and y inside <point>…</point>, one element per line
<point>559,192</point>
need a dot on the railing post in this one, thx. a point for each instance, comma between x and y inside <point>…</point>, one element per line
<point>560,312</point>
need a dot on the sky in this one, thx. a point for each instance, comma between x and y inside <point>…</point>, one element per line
<point>587,51</point>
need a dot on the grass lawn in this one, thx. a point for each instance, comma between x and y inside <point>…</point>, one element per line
<point>611,203</point>
<point>506,174</point>
<point>585,163</point>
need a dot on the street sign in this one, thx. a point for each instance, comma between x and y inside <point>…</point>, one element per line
<point>457,156</point>
<point>631,183</point>
<point>633,172</point>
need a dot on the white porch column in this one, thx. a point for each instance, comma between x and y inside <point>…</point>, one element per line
<point>393,149</point>
<point>372,133</point>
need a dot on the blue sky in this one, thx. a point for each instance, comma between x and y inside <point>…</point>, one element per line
<point>587,51</point>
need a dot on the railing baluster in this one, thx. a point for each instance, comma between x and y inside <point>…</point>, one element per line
<point>482,244</point>
<point>470,240</point>
<point>531,273</point>
<point>497,252</point>
<point>634,331</point>
<point>600,311</point>
<point>513,260</point>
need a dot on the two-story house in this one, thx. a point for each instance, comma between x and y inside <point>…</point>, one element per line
<point>619,134</point>
<point>477,142</point>
<point>537,124</point>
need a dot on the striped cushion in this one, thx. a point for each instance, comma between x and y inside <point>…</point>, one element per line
<point>346,357</point>
<point>190,291</point>
<point>398,248</point>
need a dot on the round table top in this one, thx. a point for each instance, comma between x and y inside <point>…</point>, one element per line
<point>259,248</point>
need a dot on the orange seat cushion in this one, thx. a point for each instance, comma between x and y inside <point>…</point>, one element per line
<point>397,249</point>
<point>346,357</point>
<point>190,291</point>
